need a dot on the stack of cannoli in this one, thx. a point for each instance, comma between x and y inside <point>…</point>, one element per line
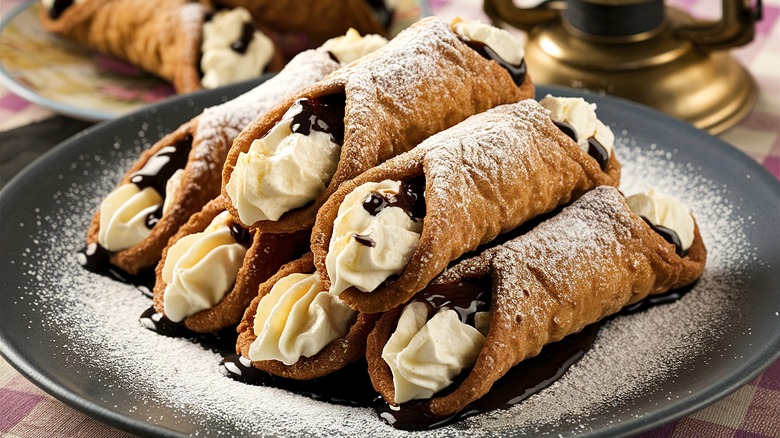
<point>212,267</point>
<point>594,257</point>
<point>179,174</point>
<point>384,235</point>
<point>426,80</point>
<point>182,41</point>
<point>382,240</point>
<point>284,166</point>
<point>206,278</point>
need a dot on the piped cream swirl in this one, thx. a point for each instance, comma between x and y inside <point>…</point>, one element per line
<point>282,171</point>
<point>201,268</point>
<point>425,355</point>
<point>123,216</point>
<point>581,116</point>
<point>351,46</point>
<point>506,46</point>
<point>391,236</point>
<point>223,65</point>
<point>665,211</point>
<point>298,318</point>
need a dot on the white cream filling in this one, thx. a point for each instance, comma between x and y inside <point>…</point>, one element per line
<point>282,171</point>
<point>171,187</point>
<point>352,46</point>
<point>581,116</point>
<point>200,269</point>
<point>424,355</point>
<point>395,235</point>
<point>506,46</point>
<point>221,65</point>
<point>665,211</point>
<point>298,318</point>
<point>123,216</point>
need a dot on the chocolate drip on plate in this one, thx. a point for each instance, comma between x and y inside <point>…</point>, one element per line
<point>242,43</point>
<point>349,386</point>
<point>517,72</point>
<point>95,258</point>
<point>222,342</point>
<point>520,382</point>
<point>58,7</point>
<point>323,114</point>
<point>410,198</point>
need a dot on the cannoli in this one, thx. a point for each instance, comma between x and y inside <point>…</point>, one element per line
<point>386,234</point>
<point>291,159</point>
<point>490,312</point>
<point>212,267</point>
<point>178,175</point>
<point>173,39</point>
<point>319,19</point>
<point>295,329</point>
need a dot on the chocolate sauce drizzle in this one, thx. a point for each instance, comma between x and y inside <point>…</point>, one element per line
<point>364,240</point>
<point>323,114</point>
<point>58,7</point>
<point>595,149</point>
<point>410,198</point>
<point>95,258</point>
<point>352,386</point>
<point>155,173</point>
<point>466,298</point>
<point>518,72</point>
<point>242,43</point>
<point>240,234</point>
<point>669,235</point>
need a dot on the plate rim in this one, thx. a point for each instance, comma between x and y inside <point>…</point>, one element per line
<point>14,86</point>
<point>674,410</point>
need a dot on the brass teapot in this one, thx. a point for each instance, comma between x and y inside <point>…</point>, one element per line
<point>641,50</point>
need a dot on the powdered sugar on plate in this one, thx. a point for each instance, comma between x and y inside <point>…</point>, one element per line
<point>177,384</point>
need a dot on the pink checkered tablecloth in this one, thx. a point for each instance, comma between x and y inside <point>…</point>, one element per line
<point>751,411</point>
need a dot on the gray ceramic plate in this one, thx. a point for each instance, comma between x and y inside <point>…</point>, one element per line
<point>57,320</point>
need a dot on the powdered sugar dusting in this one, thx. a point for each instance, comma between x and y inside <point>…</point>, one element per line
<point>100,318</point>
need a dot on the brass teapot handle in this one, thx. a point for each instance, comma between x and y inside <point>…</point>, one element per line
<point>523,18</point>
<point>736,26</point>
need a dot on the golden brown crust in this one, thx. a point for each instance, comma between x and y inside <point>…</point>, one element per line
<point>265,256</point>
<point>422,82</point>
<point>320,19</point>
<point>161,37</point>
<point>552,282</point>
<point>484,177</point>
<point>334,356</point>
<point>147,252</point>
